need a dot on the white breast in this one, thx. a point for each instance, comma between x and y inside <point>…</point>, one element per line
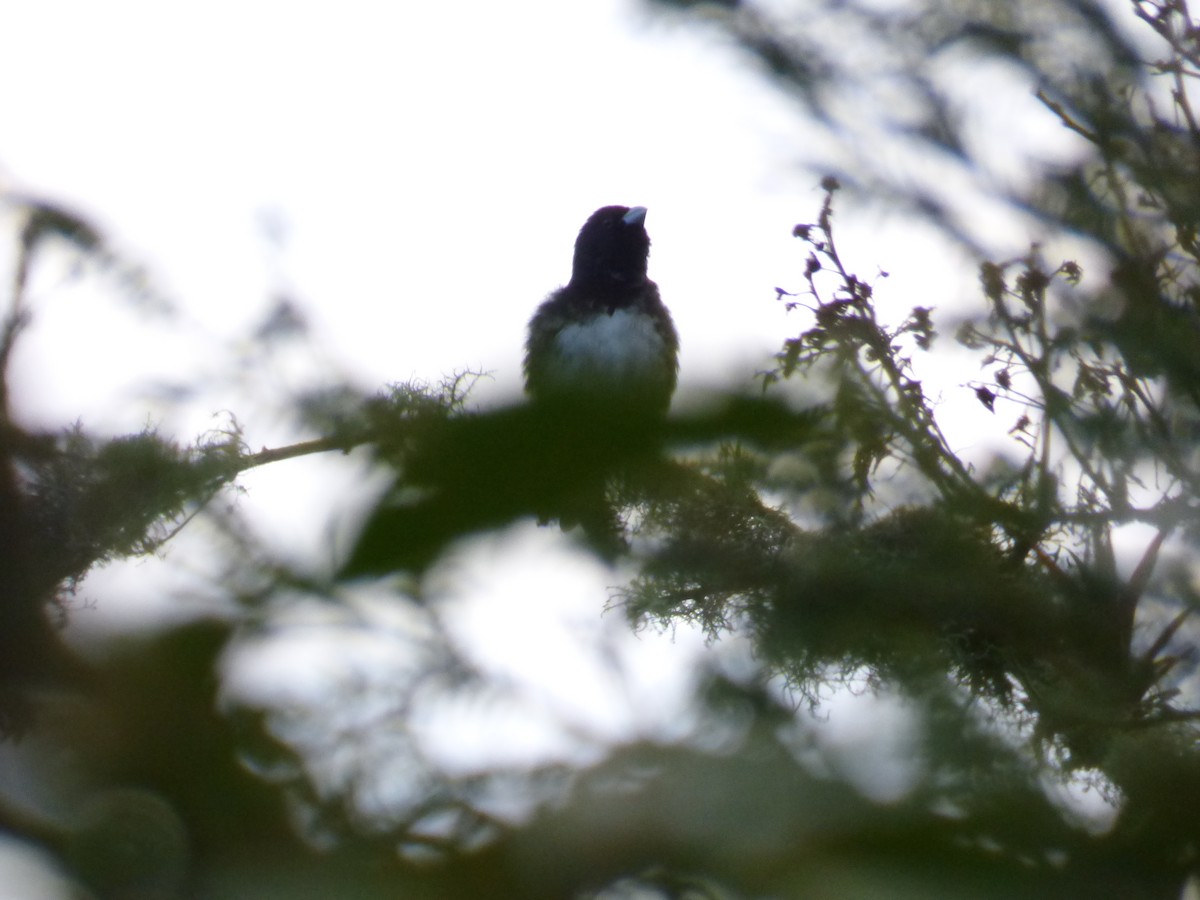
<point>608,352</point>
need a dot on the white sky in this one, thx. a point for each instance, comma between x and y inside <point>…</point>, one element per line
<point>430,169</point>
<point>428,166</point>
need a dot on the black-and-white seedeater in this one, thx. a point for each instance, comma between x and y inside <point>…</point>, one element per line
<point>605,341</point>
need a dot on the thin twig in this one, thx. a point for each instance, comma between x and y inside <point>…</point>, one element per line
<point>1067,120</point>
<point>304,448</point>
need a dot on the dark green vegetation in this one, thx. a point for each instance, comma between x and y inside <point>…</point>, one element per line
<point>990,598</point>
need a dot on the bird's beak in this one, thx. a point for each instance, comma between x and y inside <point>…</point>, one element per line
<point>635,216</point>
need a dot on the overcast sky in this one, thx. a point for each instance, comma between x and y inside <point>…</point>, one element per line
<point>425,171</point>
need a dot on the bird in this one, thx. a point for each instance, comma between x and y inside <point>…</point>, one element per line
<point>601,363</point>
<point>605,342</point>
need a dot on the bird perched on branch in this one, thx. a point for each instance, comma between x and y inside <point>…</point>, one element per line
<point>600,367</point>
<point>605,341</point>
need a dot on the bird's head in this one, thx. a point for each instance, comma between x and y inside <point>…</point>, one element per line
<point>612,249</point>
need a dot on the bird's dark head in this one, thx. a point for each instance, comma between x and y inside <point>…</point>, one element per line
<point>612,249</point>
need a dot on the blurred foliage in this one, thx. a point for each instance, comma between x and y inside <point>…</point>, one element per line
<point>834,525</point>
